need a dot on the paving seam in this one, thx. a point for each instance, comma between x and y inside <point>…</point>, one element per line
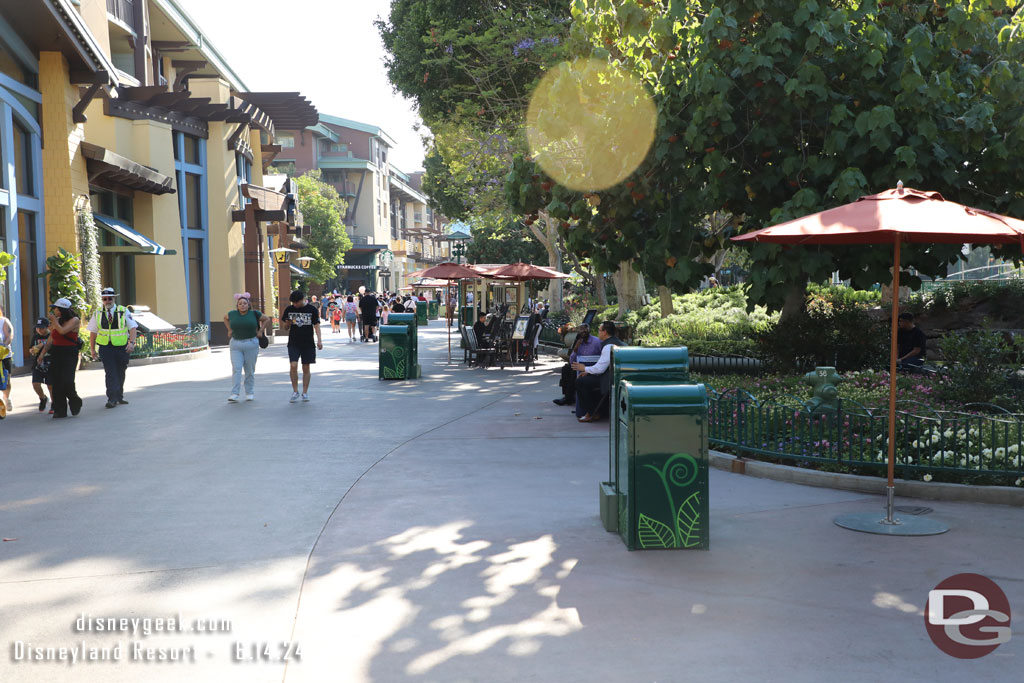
<point>103,576</point>
<point>309,558</point>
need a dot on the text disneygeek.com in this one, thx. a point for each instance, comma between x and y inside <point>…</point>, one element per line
<point>136,650</point>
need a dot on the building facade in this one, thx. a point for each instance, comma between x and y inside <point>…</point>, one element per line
<point>392,228</point>
<point>137,118</point>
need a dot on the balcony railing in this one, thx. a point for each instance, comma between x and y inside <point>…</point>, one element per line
<point>122,10</point>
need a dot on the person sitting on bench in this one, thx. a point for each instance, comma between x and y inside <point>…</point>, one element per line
<point>482,332</point>
<point>595,381</point>
<point>585,345</point>
<point>910,344</point>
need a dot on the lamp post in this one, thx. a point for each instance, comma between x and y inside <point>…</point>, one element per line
<point>459,250</point>
<point>384,259</point>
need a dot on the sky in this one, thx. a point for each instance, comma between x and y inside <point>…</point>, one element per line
<point>328,50</point>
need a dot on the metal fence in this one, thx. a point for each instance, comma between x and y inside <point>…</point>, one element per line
<point>979,439</point>
<point>151,344</point>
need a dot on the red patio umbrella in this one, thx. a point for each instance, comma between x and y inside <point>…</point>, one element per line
<point>526,271</point>
<point>450,272</point>
<point>893,217</point>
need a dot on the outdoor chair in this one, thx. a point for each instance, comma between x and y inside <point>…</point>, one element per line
<point>482,357</point>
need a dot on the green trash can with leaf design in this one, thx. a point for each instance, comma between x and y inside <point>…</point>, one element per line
<point>395,359</point>
<point>663,465</point>
<point>421,313</point>
<point>433,309</point>
<point>409,319</point>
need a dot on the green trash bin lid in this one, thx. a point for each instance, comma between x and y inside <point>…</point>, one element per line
<point>625,357</point>
<point>653,399</point>
<point>402,318</point>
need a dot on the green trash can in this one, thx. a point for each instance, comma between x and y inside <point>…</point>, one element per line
<point>662,495</point>
<point>433,309</point>
<point>408,320</point>
<point>421,312</point>
<point>395,359</point>
<point>668,365</point>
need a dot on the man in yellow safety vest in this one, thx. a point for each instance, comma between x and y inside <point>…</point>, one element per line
<point>113,329</point>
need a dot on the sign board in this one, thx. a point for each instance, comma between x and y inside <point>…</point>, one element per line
<point>519,331</point>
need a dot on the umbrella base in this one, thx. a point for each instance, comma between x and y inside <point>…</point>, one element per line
<point>876,523</point>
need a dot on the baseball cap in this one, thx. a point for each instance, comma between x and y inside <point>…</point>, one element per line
<point>42,322</point>
<point>62,303</point>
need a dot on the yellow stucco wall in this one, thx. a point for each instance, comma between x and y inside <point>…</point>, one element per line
<point>94,14</point>
<point>64,174</point>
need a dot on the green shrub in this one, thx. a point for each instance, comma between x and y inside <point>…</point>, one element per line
<point>1007,297</point>
<point>981,367</point>
<point>834,329</point>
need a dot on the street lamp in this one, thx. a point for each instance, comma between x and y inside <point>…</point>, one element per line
<point>459,250</point>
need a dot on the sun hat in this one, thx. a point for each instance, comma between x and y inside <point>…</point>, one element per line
<point>108,291</point>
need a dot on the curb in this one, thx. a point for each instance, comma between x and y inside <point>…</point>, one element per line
<point>991,495</point>
<point>155,360</point>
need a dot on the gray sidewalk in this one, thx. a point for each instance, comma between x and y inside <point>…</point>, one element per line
<point>439,530</point>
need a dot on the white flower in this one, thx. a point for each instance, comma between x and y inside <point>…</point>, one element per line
<point>1000,452</point>
<point>1013,448</point>
<point>963,461</point>
<point>975,460</point>
<point>948,433</point>
<point>927,477</point>
<point>1019,482</point>
<point>987,452</point>
<point>973,432</point>
<point>948,454</point>
<point>935,437</point>
<point>915,444</point>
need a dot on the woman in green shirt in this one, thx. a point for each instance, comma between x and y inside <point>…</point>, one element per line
<point>245,326</point>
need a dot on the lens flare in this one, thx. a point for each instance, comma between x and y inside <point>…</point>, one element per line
<point>590,124</point>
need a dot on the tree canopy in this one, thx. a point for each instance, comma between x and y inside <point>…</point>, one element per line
<point>322,210</point>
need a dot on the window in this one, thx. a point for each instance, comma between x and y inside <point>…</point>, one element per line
<point>339,147</point>
<point>192,212</point>
<point>286,140</point>
<point>243,173</point>
<point>21,210</point>
<point>196,284</point>
<point>117,270</point>
<point>193,201</point>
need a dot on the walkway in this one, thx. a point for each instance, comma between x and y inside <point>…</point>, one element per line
<point>439,530</point>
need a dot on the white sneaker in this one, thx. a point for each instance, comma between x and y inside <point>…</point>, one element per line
<point>250,397</point>
<point>10,406</point>
<point>294,398</point>
<point>233,398</point>
<point>305,397</point>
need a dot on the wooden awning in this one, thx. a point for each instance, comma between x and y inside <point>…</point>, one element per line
<point>289,110</point>
<point>107,168</point>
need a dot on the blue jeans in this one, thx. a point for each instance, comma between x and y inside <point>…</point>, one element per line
<point>243,357</point>
<point>115,365</point>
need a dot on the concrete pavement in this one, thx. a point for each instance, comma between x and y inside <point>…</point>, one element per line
<point>438,530</point>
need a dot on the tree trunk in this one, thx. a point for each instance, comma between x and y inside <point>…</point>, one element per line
<point>630,286</point>
<point>796,297</point>
<point>665,295</point>
<point>600,290</point>
<point>549,238</point>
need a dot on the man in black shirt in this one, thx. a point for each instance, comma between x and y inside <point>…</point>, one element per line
<point>910,343</point>
<point>301,321</point>
<point>368,312</point>
<point>483,339</point>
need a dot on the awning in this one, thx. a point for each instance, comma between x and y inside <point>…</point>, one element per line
<point>106,167</point>
<point>301,272</point>
<point>137,243</point>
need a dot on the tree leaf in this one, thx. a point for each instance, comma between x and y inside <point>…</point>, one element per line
<point>688,521</point>
<point>654,534</point>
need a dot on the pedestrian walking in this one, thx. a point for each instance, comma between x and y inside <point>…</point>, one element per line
<point>336,319</point>
<point>245,328</point>
<point>368,309</point>
<point>62,347</point>
<point>301,321</point>
<point>113,329</point>
<point>6,343</point>
<point>351,316</point>
<point>41,370</point>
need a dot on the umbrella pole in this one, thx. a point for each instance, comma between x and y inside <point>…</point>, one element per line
<point>890,488</point>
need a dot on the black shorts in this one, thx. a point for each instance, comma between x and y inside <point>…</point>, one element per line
<point>8,364</point>
<point>306,352</point>
<point>41,376</point>
<point>370,320</point>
